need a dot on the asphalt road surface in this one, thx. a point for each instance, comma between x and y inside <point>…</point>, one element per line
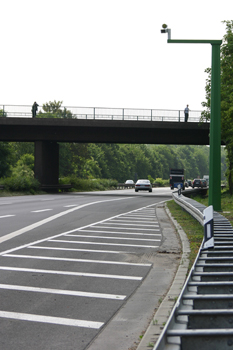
<point>70,262</point>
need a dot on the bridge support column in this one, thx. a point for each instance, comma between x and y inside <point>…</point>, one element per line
<point>47,162</point>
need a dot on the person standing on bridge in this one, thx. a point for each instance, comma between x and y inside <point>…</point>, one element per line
<point>186,113</point>
<point>34,109</point>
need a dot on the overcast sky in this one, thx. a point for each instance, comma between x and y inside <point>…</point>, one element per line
<point>107,53</point>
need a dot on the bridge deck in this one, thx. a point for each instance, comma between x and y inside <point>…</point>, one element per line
<point>103,131</point>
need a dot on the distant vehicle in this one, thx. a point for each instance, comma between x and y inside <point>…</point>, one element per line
<point>206,177</point>
<point>177,178</point>
<point>129,182</point>
<point>186,183</point>
<point>199,183</point>
<point>204,182</point>
<point>143,185</point>
<point>190,182</point>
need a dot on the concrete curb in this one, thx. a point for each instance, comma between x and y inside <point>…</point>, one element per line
<point>162,314</point>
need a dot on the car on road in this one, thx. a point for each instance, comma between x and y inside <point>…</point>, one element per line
<point>143,185</point>
<point>199,183</point>
<point>129,182</point>
<point>190,182</point>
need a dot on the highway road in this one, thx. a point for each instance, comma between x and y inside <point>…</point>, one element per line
<point>70,262</point>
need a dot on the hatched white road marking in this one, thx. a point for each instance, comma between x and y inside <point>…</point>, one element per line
<point>82,250</point>
<point>49,319</point>
<point>63,292</point>
<point>97,243</point>
<point>122,233</point>
<point>77,260</point>
<point>70,273</point>
<point>106,237</point>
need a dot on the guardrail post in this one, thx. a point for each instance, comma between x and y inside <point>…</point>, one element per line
<point>94,112</point>
<point>179,116</point>
<point>208,228</point>
<point>123,113</point>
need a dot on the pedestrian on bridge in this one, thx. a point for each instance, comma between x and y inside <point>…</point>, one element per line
<point>34,109</point>
<point>186,113</point>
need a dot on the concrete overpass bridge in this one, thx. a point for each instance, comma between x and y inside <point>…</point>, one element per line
<point>144,128</point>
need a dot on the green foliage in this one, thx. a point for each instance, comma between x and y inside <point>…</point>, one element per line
<point>21,184</point>
<point>3,113</point>
<point>81,185</point>
<point>161,183</point>
<point>54,110</point>
<point>226,98</point>
<point>6,158</point>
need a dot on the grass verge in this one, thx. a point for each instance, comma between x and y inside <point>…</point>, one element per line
<point>191,227</point>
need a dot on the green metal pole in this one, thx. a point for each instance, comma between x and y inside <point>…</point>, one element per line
<point>215,132</point>
<point>215,121</point>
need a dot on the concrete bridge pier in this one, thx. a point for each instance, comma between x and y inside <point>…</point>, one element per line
<point>47,163</point>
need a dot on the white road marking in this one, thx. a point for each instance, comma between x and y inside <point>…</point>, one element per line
<point>49,319</point>
<point>95,243</point>
<point>122,233</point>
<point>40,211</point>
<point>51,218</point>
<point>70,273</point>
<point>129,224</point>
<point>128,228</point>
<point>76,260</point>
<point>82,250</point>
<point>121,238</point>
<point>6,216</point>
<point>63,292</point>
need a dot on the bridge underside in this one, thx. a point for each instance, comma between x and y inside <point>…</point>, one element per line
<point>46,133</point>
<point>103,131</point>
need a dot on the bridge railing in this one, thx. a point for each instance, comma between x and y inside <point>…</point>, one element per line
<point>104,113</point>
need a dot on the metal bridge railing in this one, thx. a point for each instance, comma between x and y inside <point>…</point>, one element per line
<point>104,113</point>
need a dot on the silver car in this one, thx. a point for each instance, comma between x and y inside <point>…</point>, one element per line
<point>143,185</point>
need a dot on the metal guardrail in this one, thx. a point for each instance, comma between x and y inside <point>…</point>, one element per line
<point>104,113</point>
<point>202,317</point>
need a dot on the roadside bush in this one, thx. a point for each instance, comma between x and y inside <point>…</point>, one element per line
<point>21,184</point>
<point>81,185</point>
<point>161,183</point>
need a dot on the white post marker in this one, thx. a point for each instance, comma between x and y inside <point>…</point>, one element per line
<point>208,228</point>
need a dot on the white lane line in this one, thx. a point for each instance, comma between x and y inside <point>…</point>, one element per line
<point>76,260</point>
<point>49,319</point>
<point>63,292</point>
<point>6,216</point>
<point>71,273</point>
<point>96,243</point>
<point>71,205</point>
<point>117,227</point>
<point>121,238</point>
<point>82,250</point>
<point>121,233</point>
<point>40,211</point>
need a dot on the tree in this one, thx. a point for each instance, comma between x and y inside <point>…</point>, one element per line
<point>6,158</point>
<point>226,98</point>
<point>54,110</point>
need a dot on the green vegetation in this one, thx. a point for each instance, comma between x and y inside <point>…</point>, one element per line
<point>226,98</point>
<point>191,227</point>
